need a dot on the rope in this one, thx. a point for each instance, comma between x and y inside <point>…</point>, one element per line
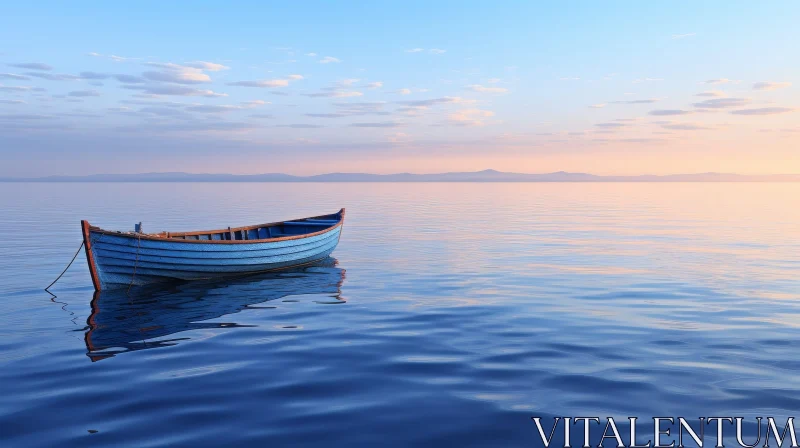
<point>65,269</point>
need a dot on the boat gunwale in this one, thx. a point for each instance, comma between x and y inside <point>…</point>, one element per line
<point>168,237</point>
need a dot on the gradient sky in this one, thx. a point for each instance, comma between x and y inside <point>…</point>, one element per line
<point>315,87</point>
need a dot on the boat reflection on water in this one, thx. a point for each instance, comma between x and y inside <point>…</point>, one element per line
<point>140,319</point>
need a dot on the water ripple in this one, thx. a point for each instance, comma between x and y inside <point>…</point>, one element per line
<point>462,310</point>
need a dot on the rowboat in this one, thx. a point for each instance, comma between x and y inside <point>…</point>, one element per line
<point>123,259</point>
<point>156,315</point>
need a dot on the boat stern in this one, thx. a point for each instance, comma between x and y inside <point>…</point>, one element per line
<point>87,246</point>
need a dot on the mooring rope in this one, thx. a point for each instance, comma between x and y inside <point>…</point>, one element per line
<point>65,269</point>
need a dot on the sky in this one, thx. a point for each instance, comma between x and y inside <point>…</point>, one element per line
<point>612,87</point>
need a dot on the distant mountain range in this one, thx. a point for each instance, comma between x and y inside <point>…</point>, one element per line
<point>478,176</point>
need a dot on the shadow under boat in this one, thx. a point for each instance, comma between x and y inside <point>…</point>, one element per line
<point>123,321</point>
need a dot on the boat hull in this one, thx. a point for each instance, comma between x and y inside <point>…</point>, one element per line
<point>121,260</point>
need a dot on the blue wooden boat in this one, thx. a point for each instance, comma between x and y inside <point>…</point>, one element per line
<point>121,259</point>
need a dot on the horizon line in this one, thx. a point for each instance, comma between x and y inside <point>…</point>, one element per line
<point>487,175</point>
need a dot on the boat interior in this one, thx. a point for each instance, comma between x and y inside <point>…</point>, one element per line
<point>261,231</point>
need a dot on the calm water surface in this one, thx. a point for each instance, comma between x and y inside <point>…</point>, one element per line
<point>449,315</point>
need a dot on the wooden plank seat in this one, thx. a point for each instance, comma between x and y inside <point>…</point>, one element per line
<point>307,223</point>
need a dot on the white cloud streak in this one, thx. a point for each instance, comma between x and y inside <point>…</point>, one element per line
<point>769,85</point>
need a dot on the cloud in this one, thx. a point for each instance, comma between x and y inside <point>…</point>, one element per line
<point>20,88</point>
<point>128,79</point>
<point>338,89</point>
<point>360,108</point>
<point>190,126</point>
<point>397,137</point>
<point>412,111</point>
<point>328,60</point>
<point>682,36</point>
<point>268,83</point>
<point>647,101</point>
<point>178,74</point>
<point>164,112</point>
<point>385,124</point>
<point>33,66</point>
<point>166,89</point>
<point>223,108</point>
<point>712,93</point>
<point>268,116</point>
<point>93,75</point>
<point>351,109</point>
<point>770,85</point>
<point>14,76</point>
<point>334,94</point>
<point>482,89</point>
<point>84,93</point>
<point>345,82</point>
<point>642,140</point>
<point>404,91</point>
<point>431,51</point>
<point>254,103</point>
<point>469,117</point>
<point>334,115</point>
<point>611,125</point>
<point>598,106</point>
<point>14,117</point>
<point>684,126</point>
<point>212,108</point>
<point>374,85</point>
<point>208,66</point>
<point>763,111</point>
<point>301,126</point>
<point>664,112</point>
<point>188,73</point>
<point>311,54</point>
<point>11,101</point>
<point>718,81</point>
<point>110,56</point>
<point>435,101</point>
<point>54,76</point>
<point>722,103</point>
<point>150,103</point>
<point>493,80</point>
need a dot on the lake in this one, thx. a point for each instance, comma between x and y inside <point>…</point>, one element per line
<point>449,315</point>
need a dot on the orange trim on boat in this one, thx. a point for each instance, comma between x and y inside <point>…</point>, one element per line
<point>172,237</point>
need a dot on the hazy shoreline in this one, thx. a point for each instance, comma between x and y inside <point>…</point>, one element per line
<point>479,176</point>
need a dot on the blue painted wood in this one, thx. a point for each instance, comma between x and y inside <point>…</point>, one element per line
<point>124,259</point>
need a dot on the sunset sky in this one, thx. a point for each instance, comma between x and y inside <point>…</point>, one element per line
<point>383,87</point>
